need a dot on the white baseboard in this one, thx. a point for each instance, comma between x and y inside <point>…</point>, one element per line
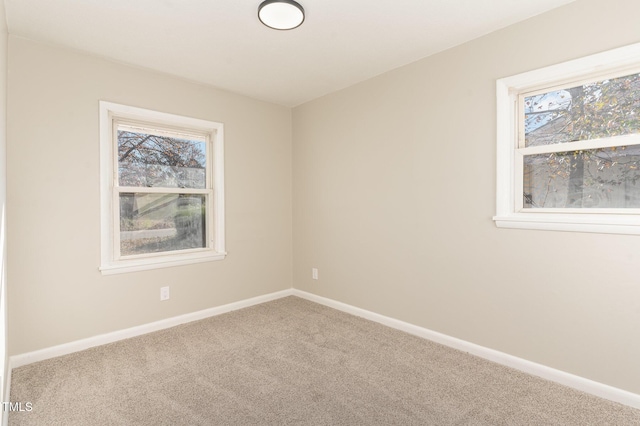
<point>16,361</point>
<point>580,383</point>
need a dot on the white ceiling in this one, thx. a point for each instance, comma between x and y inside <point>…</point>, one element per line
<point>221,42</point>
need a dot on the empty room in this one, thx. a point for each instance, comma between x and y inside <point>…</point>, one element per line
<point>320,212</point>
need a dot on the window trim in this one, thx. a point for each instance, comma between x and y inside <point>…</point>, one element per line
<point>214,131</point>
<point>508,89</point>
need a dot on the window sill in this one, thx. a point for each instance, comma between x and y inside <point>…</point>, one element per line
<point>125,266</point>
<point>601,223</point>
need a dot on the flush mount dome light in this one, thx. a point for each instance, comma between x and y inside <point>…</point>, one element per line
<point>281,14</point>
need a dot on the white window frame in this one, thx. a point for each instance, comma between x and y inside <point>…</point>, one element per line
<point>509,211</point>
<point>213,132</point>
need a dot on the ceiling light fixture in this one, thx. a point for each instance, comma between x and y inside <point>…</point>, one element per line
<point>281,14</point>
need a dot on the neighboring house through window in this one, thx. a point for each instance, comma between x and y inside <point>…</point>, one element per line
<point>569,146</point>
<point>161,189</point>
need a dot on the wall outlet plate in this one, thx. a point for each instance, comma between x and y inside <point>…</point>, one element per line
<point>164,293</point>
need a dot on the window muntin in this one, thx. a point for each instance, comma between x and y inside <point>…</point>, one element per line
<point>162,183</point>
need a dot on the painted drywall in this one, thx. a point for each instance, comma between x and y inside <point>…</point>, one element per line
<point>394,193</point>
<point>3,198</point>
<point>57,293</point>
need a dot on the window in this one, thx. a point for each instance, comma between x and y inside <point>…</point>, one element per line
<point>162,201</point>
<point>569,146</point>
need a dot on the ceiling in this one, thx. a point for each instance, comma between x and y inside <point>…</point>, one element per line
<point>223,44</point>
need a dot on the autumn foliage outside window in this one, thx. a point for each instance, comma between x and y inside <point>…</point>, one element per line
<point>602,174</point>
<point>152,222</point>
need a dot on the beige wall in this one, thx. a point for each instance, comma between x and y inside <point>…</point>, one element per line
<point>3,197</point>
<point>57,293</point>
<point>394,191</point>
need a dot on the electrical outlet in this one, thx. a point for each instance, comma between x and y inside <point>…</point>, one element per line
<point>164,293</point>
<point>314,273</point>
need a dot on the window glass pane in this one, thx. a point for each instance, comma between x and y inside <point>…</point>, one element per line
<point>151,160</point>
<point>602,109</point>
<point>596,178</point>
<point>152,223</point>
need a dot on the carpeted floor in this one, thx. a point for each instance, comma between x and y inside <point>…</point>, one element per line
<point>292,361</point>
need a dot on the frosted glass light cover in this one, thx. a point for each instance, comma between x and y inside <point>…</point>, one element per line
<point>281,15</point>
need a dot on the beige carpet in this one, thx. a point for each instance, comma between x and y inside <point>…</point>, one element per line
<point>293,362</point>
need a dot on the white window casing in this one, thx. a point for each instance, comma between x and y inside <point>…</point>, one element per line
<point>113,116</point>
<point>510,152</point>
